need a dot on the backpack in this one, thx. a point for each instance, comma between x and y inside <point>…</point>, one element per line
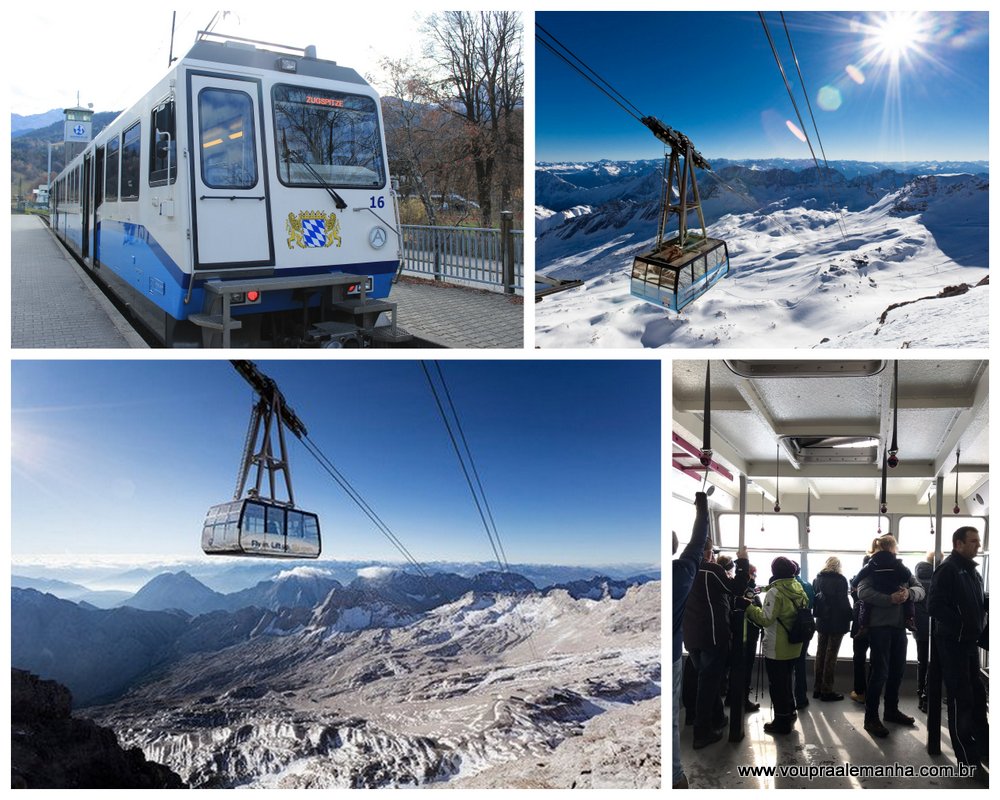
<point>803,627</point>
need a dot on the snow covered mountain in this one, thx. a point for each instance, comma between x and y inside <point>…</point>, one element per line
<point>487,680</point>
<point>395,679</point>
<point>903,254</point>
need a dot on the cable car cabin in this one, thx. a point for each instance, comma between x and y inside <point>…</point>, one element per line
<point>672,276</point>
<point>254,527</point>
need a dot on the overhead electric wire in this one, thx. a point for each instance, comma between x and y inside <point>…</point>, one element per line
<point>791,96</point>
<point>494,542</point>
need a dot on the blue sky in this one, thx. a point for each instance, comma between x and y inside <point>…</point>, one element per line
<point>884,86</point>
<point>125,457</point>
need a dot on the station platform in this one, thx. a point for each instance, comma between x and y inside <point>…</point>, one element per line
<point>53,303</point>
<point>456,316</point>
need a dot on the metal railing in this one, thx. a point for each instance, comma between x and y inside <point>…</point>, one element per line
<point>488,257</point>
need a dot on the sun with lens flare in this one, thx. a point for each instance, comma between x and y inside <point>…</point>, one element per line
<point>896,35</point>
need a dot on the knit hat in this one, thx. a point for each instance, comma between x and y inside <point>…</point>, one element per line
<point>782,567</point>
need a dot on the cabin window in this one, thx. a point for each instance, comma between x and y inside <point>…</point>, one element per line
<point>295,524</point>
<point>228,157</point>
<point>163,145</point>
<point>130,163</point>
<point>275,524</point>
<point>327,137</point>
<point>111,171</point>
<point>716,258</point>
<point>253,518</point>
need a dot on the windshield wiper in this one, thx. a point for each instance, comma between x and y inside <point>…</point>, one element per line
<point>292,155</point>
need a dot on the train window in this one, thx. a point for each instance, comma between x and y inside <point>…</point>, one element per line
<point>130,163</point>
<point>111,171</point>
<point>98,177</point>
<point>228,157</point>
<point>162,145</point>
<point>335,134</point>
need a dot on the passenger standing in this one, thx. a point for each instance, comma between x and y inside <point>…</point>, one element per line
<point>683,573</point>
<point>887,630</point>
<point>958,608</point>
<point>924,573</point>
<point>784,596</point>
<point>800,672</point>
<point>706,636</point>
<point>832,609</point>
<point>861,642</point>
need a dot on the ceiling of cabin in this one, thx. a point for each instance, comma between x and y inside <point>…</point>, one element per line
<point>943,408</point>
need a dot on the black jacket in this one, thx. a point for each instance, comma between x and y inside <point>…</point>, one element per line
<point>706,617</point>
<point>832,606</point>
<point>685,568</point>
<point>957,603</point>
<point>924,572</point>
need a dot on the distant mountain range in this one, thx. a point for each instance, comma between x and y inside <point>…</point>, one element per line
<point>174,613</point>
<point>394,679</point>
<point>227,576</point>
<point>22,124</point>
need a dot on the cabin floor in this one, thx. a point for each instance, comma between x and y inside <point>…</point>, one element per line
<point>826,733</point>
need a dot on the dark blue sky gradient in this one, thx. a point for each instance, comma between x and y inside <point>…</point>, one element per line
<point>712,76</point>
<point>126,456</point>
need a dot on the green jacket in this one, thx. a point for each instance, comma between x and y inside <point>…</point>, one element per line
<point>783,597</point>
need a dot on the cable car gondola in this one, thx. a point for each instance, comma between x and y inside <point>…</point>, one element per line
<point>256,525</point>
<point>678,270</point>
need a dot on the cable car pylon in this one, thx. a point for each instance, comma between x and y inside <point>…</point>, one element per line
<point>261,523</point>
<point>678,270</point>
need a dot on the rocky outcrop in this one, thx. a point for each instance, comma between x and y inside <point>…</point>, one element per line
<point>52,750</point>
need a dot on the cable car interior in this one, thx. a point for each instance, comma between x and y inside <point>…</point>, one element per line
<point>813,459</point>
<point>257,522</point>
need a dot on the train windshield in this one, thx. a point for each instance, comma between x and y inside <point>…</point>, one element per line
<point>327,137</point>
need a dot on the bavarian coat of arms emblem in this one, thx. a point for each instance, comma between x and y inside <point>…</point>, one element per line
<point>312,229</point>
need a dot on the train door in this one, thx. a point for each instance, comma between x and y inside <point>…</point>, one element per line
<point>88,177</point>
<point>98,184</point>
<point>230,189</point>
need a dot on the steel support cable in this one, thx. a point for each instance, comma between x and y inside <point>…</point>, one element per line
<point>802,83</point>
<point>353,493</point>
<point>472,464</point>
<point>798,114</point>
<point>461,461</point>
<point>584,66</point>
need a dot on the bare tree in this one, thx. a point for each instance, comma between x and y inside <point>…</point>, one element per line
<point>481,55</point>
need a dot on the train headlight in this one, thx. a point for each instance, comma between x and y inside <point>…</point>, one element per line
<point>377,237</point>
<point>286,65</point>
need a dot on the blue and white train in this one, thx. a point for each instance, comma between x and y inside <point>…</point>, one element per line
<point>245,200</point>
